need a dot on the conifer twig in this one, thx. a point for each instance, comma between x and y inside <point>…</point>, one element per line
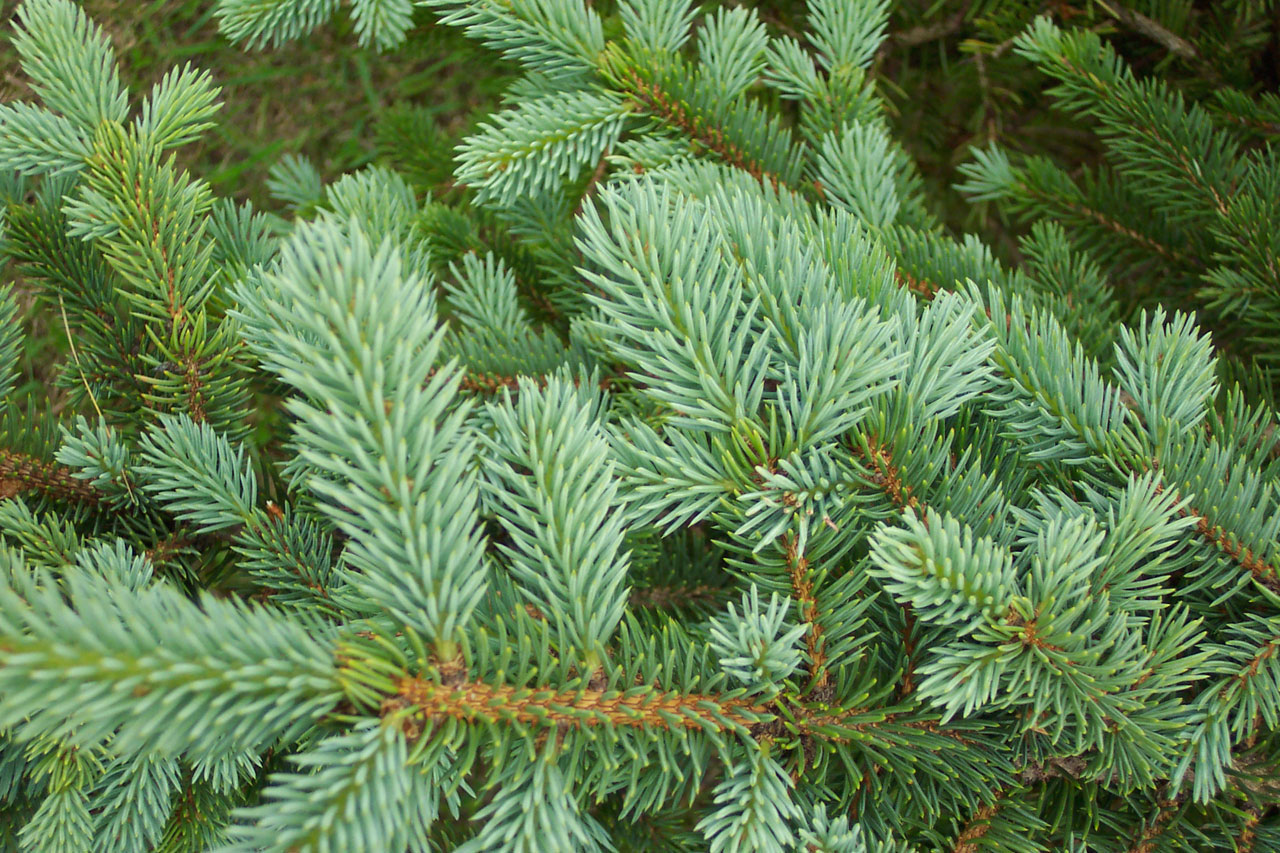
<point>925,33</point>
<point>456,697</point>
<point>978,826</point>
<point>168,547</point>
<point>1145,26</point>
<point>1262,571</point>
<point>476,701</point>
<point>802,589</point>
<point>1115,226</point>
<point>1147,841</point>
<point>75,356</point>
<point>925,288</point>
<point>19,472</point>
<point>651,98</point>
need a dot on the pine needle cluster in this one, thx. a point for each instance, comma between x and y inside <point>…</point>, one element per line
<point>687,488</point>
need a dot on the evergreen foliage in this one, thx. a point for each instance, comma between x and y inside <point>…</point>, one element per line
<point>1183,206</point>
<point>688,486</point>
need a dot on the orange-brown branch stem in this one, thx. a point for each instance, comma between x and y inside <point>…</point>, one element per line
<point>888,477</point>
<point>458,698</point>
<point>19,472</point>
<point>1262,571</point>
<point>802,589</point>
<point>978,826</point>
<point>1147,840</point>
<point>651,98</point>
<point>474,701</point>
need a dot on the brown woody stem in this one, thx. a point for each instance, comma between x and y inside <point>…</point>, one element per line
<point>474,701</point>
<point>802,589</point>
<point>19,472</point>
